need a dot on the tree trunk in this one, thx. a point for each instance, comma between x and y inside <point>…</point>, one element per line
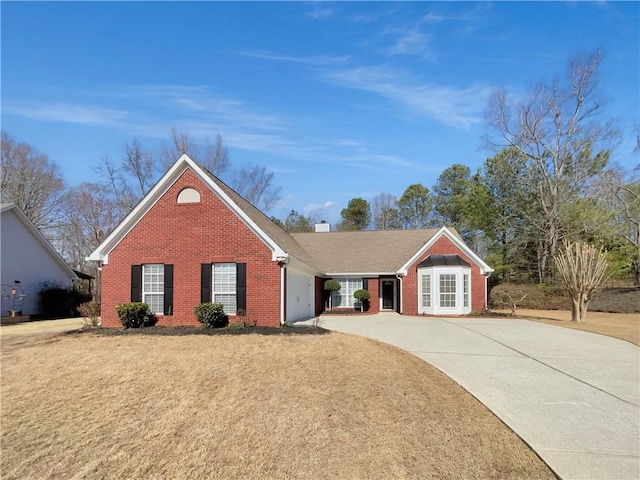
<point>583,310</point>
<point>575,308</point>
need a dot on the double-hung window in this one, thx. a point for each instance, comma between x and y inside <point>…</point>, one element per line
<point>448,290</point>
<point>153,287</point>
<point>224,286</point>
<point>426,291</point>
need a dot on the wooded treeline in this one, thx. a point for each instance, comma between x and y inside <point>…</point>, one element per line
<point>77,219</point>
<point>548,180</point>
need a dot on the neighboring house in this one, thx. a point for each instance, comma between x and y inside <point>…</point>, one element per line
<point>27,262</point>
<point>193,239</point>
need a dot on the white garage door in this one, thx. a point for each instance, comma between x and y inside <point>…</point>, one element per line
<point>299,295</point>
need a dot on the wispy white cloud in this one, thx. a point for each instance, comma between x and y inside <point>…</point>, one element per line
<point>317,60</point>
<point>153,110</point>
<point>433,17</point>
<point>412,43</point>
<point>320,11</point>
<point>457,107</point>
<point>64,112</point>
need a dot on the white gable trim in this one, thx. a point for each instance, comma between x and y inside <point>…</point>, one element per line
<point>40,238</point>
<point>168,179</point>
<point>484,268</point>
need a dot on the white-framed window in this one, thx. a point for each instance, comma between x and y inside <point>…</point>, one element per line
<point>465,290</point>
<point>153,287</point>
<point>447,283</point>
<point>426,291</point>
<point>224,286</point>
<point>344,297</point>
<point>444,289</point>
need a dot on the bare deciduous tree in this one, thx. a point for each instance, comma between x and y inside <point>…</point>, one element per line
<point>582,271</point>
<point>255,184</point>
<point>385,213</point>
<point>214,158</point>
<point>138,164</point>
<point>624,197</point>
<point>32,181</point>
<point>562,144</point>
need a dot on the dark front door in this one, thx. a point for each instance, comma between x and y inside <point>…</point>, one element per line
<point>387,295</point>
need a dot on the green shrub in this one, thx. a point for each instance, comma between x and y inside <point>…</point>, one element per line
<point>236,326</point>
<point>55,300</point>
<point>332,285</point>
<point>58,301</point>
<point>135,315</point>
<point>211,315</point>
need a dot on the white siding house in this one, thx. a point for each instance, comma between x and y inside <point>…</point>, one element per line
<point>27,260</point>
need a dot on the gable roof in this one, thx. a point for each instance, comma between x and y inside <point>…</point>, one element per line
<point>377,252</point>
<point>280,242</point>
<point>368,251</point>
<point>280,236</point>
<point>12,207</point>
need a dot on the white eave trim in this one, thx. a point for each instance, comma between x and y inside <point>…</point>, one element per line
<point>148,201</point>
<point>484,268</point>
<point>360,274</point>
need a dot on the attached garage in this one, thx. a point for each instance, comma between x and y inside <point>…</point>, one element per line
<point>300,301</point>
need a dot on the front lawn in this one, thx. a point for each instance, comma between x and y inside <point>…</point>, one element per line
<point>246,406</point>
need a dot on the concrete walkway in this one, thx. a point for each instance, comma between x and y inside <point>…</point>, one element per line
<point>573,396</point>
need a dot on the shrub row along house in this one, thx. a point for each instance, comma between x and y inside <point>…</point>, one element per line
<point>192,239</point>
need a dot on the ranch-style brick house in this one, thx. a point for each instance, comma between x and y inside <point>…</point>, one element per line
<point>192,239</point>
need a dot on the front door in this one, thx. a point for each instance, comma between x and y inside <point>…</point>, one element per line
<point>388,294</point>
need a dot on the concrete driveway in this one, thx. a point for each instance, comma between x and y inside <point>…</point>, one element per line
<point>573,396</point>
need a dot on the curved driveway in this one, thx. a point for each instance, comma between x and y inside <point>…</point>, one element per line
<point>573,396</point>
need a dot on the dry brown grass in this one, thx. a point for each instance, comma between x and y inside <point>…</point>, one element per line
<point>625,326</point>
<point>250,406</point>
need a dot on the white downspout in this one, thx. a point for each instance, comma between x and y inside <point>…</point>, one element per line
<point>283,271</point>
<point>283,261</point>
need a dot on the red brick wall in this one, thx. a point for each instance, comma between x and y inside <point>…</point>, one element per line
<point>374,300</point>
<point>187,235</point>
<point>442,246</point>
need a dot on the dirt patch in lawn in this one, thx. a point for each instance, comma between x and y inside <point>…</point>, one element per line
<point>247,406</point>
<point>625,326</point>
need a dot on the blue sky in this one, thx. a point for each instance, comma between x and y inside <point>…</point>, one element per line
<point>339,99</point>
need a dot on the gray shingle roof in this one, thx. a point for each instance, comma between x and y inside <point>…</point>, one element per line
<point>370,251</point>
<point>274,231</point>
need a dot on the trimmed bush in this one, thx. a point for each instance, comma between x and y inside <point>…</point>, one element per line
<point>211,315</point>
<point>332,285</point>
<point>363,297</point>
<point>135,315</point>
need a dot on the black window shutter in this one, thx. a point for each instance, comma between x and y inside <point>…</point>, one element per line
<point>205,283</point>
<point>365,284</point>
<point>136,283</point>
<point>241,286</point>
<point>168,289</point>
